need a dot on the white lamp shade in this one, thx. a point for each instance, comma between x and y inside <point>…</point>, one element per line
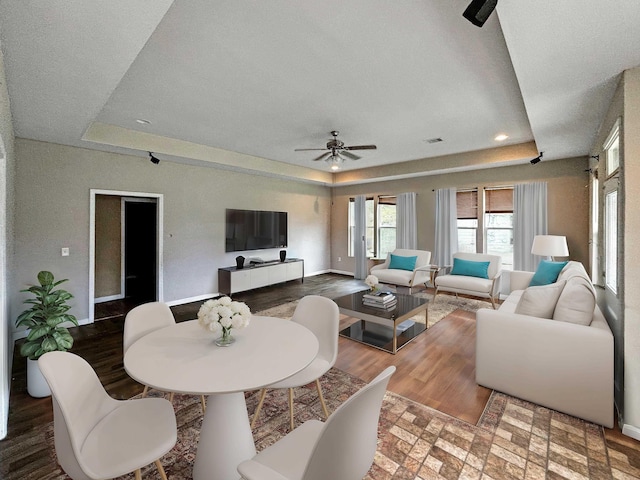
<point>550,246</point>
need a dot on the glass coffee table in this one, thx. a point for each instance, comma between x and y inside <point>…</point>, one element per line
<point>388,330</point>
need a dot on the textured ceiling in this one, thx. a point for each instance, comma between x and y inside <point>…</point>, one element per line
<point>264,78</point>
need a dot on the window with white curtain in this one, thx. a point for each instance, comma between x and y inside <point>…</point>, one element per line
<point>467,208</point>
<point>386,225</point>
<point>381,226</point>
<point>498,223</point>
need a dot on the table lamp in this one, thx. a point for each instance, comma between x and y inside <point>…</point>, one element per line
<point>550,246</point>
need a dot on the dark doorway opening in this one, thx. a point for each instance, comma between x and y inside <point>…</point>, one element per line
<point>140,251</point>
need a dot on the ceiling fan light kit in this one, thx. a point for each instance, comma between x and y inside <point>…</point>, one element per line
<point>336,151</point>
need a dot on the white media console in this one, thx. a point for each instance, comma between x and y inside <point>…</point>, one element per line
<point>234,280</point>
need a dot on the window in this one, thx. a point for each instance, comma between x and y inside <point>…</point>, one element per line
<point>496,225</point>
<point>612,149</point>
<point>467,207</point>
<point>386,226</point>
<point>381,226</point>
<point>498,222</point>
<point>611,240</point>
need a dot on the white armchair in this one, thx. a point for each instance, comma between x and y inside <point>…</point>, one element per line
<point>420,273</point>
<point>487,286</point>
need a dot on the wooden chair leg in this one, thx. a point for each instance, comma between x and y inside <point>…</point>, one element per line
<point>291,407</point>
<point>145,391</point>
<point>263,393</point>
<point>171,397</point>
<point>203,402</point>
<point>163,475</point>
<point>492,303</point>
<point>138,474</point>
<point>324,405</point>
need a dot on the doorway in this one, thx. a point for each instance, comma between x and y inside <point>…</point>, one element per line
<point>125,251</point>
<point>139,248</point>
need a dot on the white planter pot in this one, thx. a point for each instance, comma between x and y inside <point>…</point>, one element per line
<point>37,386</point>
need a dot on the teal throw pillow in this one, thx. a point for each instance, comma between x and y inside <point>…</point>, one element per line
<point>402,263</point>
<point>470,268</point>
<point>546,273</point>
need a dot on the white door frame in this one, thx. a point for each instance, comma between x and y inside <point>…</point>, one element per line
<point>92,241</point>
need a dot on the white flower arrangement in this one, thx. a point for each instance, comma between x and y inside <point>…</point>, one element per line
<point>219,316</point>
<point>372,282</point>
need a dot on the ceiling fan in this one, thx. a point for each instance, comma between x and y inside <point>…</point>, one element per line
<point>337,151</point>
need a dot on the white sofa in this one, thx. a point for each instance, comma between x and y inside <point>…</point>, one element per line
<point>564,362</point>
<point>406,278</point>
<point>474,286</point>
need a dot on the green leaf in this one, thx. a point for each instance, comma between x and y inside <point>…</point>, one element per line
<point>45,278</point>
<point>39,331</point>
<point>49,345</point>
<point>63,339</point>
<point>28,349</point>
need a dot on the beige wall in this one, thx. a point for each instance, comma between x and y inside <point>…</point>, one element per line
<point>7,209</point>
<point>108,246</point>
<point>623,310</point>
<point>631,269</point>
<point>53,185</point>
<point>568,202</point>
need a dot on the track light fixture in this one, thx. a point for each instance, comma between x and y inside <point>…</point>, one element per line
<point>478,11</point>
<point>155,160</point>
<point>537,159</point>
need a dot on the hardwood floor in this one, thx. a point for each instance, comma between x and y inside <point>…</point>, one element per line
<point>437,369</point>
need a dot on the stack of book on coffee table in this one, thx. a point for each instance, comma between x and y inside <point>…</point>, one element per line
<point>380,299</point>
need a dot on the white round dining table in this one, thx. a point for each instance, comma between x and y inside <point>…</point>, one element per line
<point>183,358</point>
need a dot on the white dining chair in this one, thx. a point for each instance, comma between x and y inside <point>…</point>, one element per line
<point>144,319</point>
<point>322,316</point>
<point>99,437</point>
<point>342,448</point>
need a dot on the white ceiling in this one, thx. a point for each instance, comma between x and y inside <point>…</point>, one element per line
<point>264,78</point>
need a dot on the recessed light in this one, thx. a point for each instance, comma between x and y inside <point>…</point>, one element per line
<point>501,138</point>
<point>434,140</point>
<point>142,121</point>
<point>335,167</point>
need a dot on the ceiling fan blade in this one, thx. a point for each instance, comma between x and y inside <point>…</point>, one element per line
<point>361,147</point>
<point>307,149</point>
<point>350,155</point>
<point>322,157</point>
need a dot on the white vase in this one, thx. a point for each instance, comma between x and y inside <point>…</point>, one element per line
<point>37,386</point>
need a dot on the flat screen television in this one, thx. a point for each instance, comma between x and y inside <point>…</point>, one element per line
<point>254,230</point>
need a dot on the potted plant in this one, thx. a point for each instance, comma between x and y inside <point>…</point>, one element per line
<point>46,334</point>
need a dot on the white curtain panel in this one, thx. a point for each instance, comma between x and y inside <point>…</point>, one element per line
<point>529,220</point>
<point>407,230</point>
<point>360,237</point>
<point>446,243</point>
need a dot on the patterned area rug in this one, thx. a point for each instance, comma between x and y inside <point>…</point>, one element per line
<point>514,439</point>
<point>443,306</point>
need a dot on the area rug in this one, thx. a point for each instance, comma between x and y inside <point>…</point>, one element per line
<point>443,306</point>
<point>514,439</point>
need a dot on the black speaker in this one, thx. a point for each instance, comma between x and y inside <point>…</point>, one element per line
<point>239,262</point>
<point>283,255</point>
<point>478,11</point>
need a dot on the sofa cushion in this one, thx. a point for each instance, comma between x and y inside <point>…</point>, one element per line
<point>462,283</point>
<point>577,302</point>
<point>394,277</point>
<point>546,273</point>
<point>540,301</point>
<point>470,268</point>
<point>398,262</point>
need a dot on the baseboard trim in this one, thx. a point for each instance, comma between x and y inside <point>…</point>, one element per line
<point>631,431</point>
<point>197,298</point>
<point>108,298</point>
<point>341,272</point>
